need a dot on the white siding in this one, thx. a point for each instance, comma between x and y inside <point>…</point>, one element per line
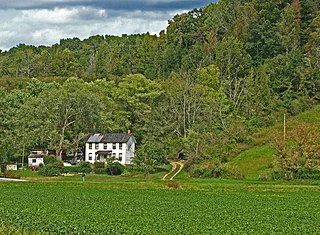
<point>126,149</point>
<point>116,151</point>
<point>92,151</point>
<point>35,161</point>
<point>130,149</point>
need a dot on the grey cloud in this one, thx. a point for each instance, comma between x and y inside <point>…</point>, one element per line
<point>144,5</point>
<point>45,22</point>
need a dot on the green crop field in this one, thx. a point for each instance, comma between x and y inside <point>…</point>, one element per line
<point>217,207</point>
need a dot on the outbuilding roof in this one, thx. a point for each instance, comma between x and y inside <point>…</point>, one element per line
<point>109,138</point>
<point>35,156</point>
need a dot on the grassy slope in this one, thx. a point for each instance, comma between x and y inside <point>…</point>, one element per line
<point>257,159</point>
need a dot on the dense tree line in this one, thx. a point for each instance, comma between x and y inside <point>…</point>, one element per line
<point>200,87</point>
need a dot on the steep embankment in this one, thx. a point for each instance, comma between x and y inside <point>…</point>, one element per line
<point>259,158</point>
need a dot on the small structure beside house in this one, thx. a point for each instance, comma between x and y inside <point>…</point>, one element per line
<point>36,157</point>
<point>117,146</point>
<point>12,167</point>
<point>35,160</point>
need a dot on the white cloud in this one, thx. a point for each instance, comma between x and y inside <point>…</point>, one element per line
<point>47,27</point>
<point>45,22</point>
<point>55,16</point>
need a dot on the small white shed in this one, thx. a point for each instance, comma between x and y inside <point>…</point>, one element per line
<point>12,167</point>
<point>35,160</point>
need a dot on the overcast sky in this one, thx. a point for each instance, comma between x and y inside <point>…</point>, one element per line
<point>45,22</point>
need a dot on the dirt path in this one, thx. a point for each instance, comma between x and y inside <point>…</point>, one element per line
<point>174,167</point>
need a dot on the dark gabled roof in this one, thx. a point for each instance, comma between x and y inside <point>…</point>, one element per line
<point>35,156</point>
<point>115,138</point>
<point>109,138</point>
<point>95,138</point>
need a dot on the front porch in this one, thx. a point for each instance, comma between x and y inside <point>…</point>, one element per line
<point>104,156</point>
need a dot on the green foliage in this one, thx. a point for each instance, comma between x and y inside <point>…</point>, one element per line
<point>71,169</point>
<point>85,167</point>
<point>304,174</point>
<point>101,171</point>
<point>215,170</point>
<point>201,87</point>
<point>52,169</point>
<point>225,206</point>
<point>97,165</point>
<point>114,168</point>
<point>49,159</point>
<point>148,156</point>
<point>300,152</point>
<point>100,167</point>
<point>11,174</point>
<point>308,174</point>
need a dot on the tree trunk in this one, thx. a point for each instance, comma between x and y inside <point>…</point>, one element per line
<point>76,148</point>
<point>59,151</point>
<point>145,174</point>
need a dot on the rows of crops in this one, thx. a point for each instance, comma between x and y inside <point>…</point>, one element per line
<point>89,209</point>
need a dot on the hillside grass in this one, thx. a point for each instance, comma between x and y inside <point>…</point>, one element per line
<point>258,158</point>
<point>254,161</point>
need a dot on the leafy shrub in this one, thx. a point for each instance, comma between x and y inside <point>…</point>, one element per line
<point>3,167</point>
<point>216,170</point>
<point>52,169</point>
<point>100,170</point>
<point>85,167</point>
<point>114,168</point>
<point>313,174</point>
<point>11,174</point>
<point>70,169</point>
<point>309,174</point>
<point>49,159</point>
<point>299,152</point>
<point>99,165</point>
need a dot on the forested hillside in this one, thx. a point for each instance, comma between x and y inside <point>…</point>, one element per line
<point>201,87</point>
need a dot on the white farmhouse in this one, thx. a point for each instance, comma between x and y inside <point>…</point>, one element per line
<point>119,146</point>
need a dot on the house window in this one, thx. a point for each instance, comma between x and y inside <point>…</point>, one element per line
<point>96,146</point>
<point>120,157</point>
<point>105,146</point>
<point>114,155</point>
<point>120,146</point>
<point>90,156</point>
<point>114,146</point>
<point>90,146</point>
<point>34,160</point>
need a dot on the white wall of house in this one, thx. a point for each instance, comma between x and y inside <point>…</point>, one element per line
<point>130,149</point>
<point>35,161</point>
<point>119,150</point>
